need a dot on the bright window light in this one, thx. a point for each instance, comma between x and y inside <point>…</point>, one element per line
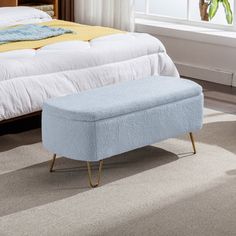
<point>208,13</point>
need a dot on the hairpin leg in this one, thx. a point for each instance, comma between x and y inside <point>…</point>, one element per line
<point>53,162</point>
<point>193,143</point>
<point>90,174</point>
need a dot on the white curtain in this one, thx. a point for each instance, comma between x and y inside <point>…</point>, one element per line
<point>111,13</point>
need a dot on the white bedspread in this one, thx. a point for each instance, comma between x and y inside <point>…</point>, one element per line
<point>29,77</point>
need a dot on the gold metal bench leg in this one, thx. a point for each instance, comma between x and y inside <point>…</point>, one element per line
<point>193,143</point>
<point>90,174</point>
<point>53,162</point>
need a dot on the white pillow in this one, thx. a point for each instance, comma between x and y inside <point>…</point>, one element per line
<point>14,15</point>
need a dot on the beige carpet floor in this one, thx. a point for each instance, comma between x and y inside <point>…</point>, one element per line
<point>157,190</point>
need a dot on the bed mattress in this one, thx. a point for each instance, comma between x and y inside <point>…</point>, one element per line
<point>29,77</point>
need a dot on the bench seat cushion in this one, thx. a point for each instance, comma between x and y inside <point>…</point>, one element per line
<point>107,121</point>
<point>124,98</point>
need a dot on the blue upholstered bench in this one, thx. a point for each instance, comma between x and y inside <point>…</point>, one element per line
<point>97,124</point>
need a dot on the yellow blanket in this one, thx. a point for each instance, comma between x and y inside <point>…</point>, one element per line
<point>81,32</point>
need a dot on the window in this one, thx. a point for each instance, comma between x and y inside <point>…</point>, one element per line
<point>189,12</point>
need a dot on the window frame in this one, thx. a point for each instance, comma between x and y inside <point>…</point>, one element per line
<point>155,17</point>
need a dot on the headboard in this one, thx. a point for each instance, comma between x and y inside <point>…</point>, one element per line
<point>8,3</point>
<point>12,3</point>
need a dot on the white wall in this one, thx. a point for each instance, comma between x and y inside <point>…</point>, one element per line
<point>198,59</point>
<point>204,61</point>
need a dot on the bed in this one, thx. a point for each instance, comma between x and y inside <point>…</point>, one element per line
<point>28,77</point>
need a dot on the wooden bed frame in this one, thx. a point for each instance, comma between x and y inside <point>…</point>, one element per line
<point>20,124</point>
<point>38,113</point>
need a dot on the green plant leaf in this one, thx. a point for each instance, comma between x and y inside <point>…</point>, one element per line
<point>214,5</point>
<point>228,11</point>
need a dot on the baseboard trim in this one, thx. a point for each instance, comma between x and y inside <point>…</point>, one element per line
<point>214,75</point>
<point>234,80</point>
